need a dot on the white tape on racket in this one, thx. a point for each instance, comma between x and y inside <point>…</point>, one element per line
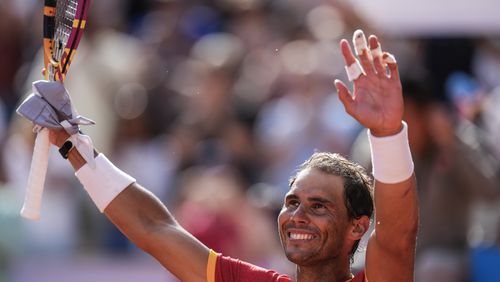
<point>36,179</point>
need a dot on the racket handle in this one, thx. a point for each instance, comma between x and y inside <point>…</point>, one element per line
<point>34,190</point>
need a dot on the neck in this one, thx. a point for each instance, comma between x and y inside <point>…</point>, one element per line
<point>331,272</point>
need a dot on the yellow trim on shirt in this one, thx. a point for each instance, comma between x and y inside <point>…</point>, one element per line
<point>212,260</point>
<point>352,277</point>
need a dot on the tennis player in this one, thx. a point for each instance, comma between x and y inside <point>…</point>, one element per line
<point>326,211</point>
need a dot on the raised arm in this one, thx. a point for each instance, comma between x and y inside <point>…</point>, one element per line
<point>377,103</point>
<point>146,222</point>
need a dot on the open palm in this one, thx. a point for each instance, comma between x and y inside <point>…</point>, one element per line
<point>376,101</point>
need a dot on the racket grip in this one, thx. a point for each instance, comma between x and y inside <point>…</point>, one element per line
<point>34,190</point>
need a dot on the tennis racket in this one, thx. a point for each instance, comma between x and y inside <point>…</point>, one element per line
<point>63,25</point>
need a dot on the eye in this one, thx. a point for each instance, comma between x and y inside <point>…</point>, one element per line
<point>292,203</point>
<point>318,206</point>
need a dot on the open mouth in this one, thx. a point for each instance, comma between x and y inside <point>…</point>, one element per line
<point>299,236</point>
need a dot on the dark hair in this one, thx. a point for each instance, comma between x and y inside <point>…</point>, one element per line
<point>358,185</point>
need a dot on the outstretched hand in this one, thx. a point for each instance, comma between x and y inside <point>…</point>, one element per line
<point>376,100</point>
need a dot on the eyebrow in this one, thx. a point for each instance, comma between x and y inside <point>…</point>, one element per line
<point>320,200</point>
<point>310,199</point>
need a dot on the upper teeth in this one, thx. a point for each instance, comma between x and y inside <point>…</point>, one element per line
<point>297,236</point>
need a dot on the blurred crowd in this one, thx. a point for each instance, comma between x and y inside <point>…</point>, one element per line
<point>213,104</point>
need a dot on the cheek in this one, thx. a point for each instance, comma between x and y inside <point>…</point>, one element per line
<point>281,234</point>
<point>339,230</point>
<point>282,218</point>
<point>331,227</point>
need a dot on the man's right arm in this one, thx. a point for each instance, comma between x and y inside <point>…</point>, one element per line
<point>143,218</point>
<point>148,223</point>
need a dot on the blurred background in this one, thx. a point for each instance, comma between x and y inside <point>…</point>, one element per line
<point>213,104</point>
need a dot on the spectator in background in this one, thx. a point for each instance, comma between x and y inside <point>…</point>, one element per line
<point>11,55</point>
<point>205,206</point>
<point>149,43</point>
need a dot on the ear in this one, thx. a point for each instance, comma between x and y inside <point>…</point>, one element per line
<point>359,227</point>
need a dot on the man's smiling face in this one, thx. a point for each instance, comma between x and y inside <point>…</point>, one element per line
<point>313,221</point>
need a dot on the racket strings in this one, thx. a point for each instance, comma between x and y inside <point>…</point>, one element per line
<point>65,15</point>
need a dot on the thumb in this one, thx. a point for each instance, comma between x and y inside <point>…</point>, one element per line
<point>345,96</point>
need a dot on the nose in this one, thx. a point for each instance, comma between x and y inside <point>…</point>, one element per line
<point>299,215</point>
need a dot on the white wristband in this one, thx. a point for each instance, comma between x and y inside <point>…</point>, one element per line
<point>104,182</point>
<point>391,157</point>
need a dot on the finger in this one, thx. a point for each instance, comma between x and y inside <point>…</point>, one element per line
<point>354,71</point>
<point>353,68</point>
<point>349,57</point>
<point>392,65</point>
<point>376,50</point>
<point>344,96</point>
<point>366,62</point>
<point>360,43</point>
<point>364,55</point>
<point>375,47</point>
<point>388,58</point>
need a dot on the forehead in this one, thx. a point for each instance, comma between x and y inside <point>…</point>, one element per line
<point>312,182</point>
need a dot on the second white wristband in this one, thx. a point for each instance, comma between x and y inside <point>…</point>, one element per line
<point>391,157</point>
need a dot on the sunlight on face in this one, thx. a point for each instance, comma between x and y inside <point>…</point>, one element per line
<point>312,223</point>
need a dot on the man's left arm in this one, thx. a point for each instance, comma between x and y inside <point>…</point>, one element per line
<point>391,248</point>
<point>377,103</point>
